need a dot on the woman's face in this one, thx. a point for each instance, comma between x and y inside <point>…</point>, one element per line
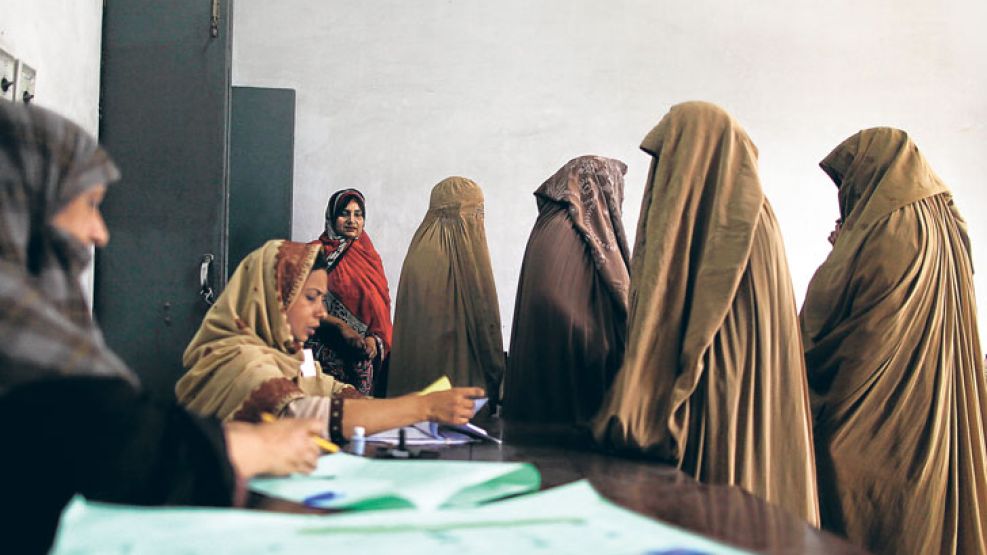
<point>349,220</point>
<point>307,310</point>
<point>81,218</point>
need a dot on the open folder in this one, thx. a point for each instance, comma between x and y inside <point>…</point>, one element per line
<point>346,481</point>
<point>566,519</point>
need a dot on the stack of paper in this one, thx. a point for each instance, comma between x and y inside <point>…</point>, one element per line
<point>347,481</point>
<point>422,434</point>
<point>434,434</point>
<point>566,519</point>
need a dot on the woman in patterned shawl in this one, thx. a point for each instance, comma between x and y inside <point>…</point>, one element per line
<point>571,309</point>
<point>247,357</point>
<point>354,343</point>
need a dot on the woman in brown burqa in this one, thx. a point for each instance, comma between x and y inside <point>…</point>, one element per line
<point>890,332</point>
<point>447,321</point>
<point>571,308</point>
<point>713,378</point>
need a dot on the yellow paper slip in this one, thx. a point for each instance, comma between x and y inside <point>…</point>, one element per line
<point>440,384</point>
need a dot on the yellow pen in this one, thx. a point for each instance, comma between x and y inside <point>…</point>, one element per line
<point>322,442</point>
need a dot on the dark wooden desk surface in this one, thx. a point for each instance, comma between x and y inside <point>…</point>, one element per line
<point>727,513</point>
<point>564,454</point>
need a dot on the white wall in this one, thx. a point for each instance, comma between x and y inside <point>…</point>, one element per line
<point>61,39</point>
<point>394,95</point>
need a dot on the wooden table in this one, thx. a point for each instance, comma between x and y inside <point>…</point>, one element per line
<point>565,454</point>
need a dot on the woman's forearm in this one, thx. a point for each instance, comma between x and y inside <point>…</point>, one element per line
<point>452,406</point>
<point>334,320</point>
<point>377,415</point>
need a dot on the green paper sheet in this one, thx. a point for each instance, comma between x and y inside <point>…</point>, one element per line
<point>358,483</point>
<point>566,519</point>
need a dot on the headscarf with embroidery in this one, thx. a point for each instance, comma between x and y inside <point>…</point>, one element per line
<point>244,359</point>
<point>591,188</point>
<point>570,317</point>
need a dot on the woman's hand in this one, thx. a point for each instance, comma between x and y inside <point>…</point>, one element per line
<point>278,448</point>
<point>452,406</point>
<point>351,337</point>
<point>370,347</point>
<point>835,233</point>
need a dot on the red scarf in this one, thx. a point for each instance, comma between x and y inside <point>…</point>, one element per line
<point>358,281</point>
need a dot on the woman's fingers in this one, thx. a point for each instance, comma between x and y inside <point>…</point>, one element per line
<point>309,462</point>
<point>314,426</point>
<point>474,392</point>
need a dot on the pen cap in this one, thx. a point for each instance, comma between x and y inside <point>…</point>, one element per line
<point>357,441</point>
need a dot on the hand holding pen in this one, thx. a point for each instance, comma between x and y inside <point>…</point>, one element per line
<point>279,448</point>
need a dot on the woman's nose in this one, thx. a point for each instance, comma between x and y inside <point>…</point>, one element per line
<point>98,233</point>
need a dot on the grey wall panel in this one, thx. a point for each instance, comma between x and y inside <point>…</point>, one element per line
<point>262,146</point>
<point>165,120</point>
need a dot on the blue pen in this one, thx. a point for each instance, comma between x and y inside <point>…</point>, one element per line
<point>319,499</point>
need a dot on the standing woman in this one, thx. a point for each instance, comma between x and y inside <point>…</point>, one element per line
<point>713,378</point>
<point>893,353</point>
<point>570,316</point>
<point>447,320</point>
<point>354,343</point>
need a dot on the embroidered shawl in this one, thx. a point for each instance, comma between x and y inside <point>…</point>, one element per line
<point>244,358</point>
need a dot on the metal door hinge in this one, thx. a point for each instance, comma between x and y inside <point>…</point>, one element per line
<point>214,19</point>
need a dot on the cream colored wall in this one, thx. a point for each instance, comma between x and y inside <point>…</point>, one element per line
<point>393,96</point>
<point>61,39</point>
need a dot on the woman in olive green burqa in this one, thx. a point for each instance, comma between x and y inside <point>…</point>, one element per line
<point>893,354</point>
<point>447,320</point>
<point>713,377</point>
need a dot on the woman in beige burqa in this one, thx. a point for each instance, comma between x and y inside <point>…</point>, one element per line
<point>895,368</point>
<point>447,320</point>
<point>570,316</point>
<point>713,377</point>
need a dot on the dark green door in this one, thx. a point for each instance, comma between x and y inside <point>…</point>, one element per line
<point>262,158</point>
<point>165,120</point>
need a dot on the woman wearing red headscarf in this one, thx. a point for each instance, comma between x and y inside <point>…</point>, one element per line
<point>356,339</point>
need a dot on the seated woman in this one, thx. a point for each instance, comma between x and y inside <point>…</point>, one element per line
<point>893,353</point>
<point>713,378</point>
<point>571,312</point>
<point>73,418</point>
<point>247,357</point>
<point>353,343</point>
<point>447,298</point>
